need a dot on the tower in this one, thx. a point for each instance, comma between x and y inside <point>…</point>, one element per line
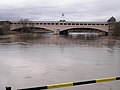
<point>63,18</point>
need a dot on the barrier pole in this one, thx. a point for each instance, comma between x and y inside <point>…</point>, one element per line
<point>61,85</point>
<point>8,88</point>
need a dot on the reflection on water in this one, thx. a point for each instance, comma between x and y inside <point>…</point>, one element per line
<point>50,39</point>
<point>41,59</point>
<point>84,35</point>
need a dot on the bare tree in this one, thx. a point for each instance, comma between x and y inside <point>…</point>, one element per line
<point>26,25</point>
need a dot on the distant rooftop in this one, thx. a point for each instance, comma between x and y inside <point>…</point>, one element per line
<point>112,19</point>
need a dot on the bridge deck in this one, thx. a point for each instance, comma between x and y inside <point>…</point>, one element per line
<point>60,26</point>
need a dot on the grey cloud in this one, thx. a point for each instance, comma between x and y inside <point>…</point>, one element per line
<point>99,10</point>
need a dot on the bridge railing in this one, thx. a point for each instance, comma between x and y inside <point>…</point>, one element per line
<point>62,85</point>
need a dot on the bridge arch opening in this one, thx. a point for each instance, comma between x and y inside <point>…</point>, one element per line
<point>33,30</point>
<point>83,30</point>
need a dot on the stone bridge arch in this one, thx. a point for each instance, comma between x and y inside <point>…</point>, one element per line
<point>34,28</point>
<point>82,29</point>
<point>104,29</point>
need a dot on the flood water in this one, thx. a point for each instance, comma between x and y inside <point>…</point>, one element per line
<point>37,60</point>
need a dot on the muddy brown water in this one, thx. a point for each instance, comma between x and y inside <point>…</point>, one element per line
<point>37,60</point>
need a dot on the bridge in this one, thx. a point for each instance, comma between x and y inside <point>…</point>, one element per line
<point>63,26</point>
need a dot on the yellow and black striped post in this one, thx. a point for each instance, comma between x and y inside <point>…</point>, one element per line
<point>61,85</point>
<point>8,88</point>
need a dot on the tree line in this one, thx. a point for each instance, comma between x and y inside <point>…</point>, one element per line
<point>4,27</point>
<point>23,23</point>
<point>116,30</point>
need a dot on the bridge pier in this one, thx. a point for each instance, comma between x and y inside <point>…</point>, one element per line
<point>57,31</point>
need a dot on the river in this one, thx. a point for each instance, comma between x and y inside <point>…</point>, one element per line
<point>43,59</point>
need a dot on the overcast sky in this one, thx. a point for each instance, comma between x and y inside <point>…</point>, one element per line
<point>74,10</point>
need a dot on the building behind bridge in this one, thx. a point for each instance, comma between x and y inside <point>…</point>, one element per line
<point>112,19</point>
